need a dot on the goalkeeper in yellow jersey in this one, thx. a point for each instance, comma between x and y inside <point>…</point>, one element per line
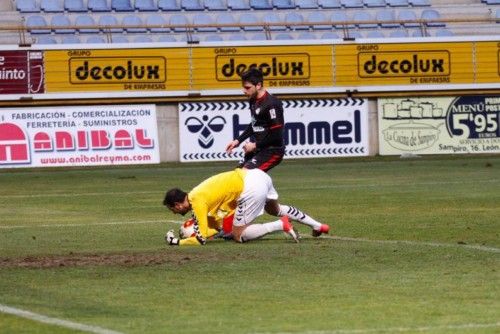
<point>247,193</point>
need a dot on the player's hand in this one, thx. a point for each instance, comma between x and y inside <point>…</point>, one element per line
<point>171,239</point>
<point>249,147</point>
<point>232,145</point>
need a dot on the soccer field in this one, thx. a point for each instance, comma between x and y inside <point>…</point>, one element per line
<point>414,247</point>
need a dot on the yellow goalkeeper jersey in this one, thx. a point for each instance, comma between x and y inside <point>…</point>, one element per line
<point>213,200</point>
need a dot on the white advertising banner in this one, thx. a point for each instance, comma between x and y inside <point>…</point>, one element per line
<point>439,125</point>
<point>313,128</point>
<point>78,136</point>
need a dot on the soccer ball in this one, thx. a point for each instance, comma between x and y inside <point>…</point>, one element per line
<point>187,229</point>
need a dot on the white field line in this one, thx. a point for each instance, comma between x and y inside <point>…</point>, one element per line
<point>471,326</point>
<point>55,321</point>
<point>332,186</point>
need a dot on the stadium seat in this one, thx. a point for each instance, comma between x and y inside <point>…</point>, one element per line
<point>119,39</point>
<point>362,16</point>
<point>443,33</point>
<point>329,4</point>
<point>169,5</point>
<point>121,6</point>
<point>214,5</point>
<point>37,21</point>
<point>283,37</point>
<point>108,20</point>
<point>375,34</point>
<point>420,3</point>
<point>52,6</point>
<point>237,37</point>
<point>386,18</point>
<point>306,4</point>
<point>283,4</point>
<point>306,36</point>
<point>45,40</point>
<point>213,38</point>
<point>354,34</point>
<point>351,3</point>
<point>492,2</point>
<point>98,6</point>
<point>61,20</point>
<point>70,40</point>
<point>374,3</point>
<point>340,16</point>
<point>74,6</point>
<point>157,20</point>
<point>249,18</point>
<point>27,6</point>
<point>142,39</point>
<point>497,15</point>
<point>330,35</point>
<point>86,21</point>
<point>95,40</point>
<point>259,37</point>
<point>398,33</point>
<point>227,18</point>
<point>167,38</point>
<point>418,33</point>
<point>270,18</point>
<point>397,3</point>
<point>133,20</point>
<point>429,15</point>
<point>204,19</point>
<point>238,4</point>
<point>408,15</point>
<point>192,5</point>
<point>146,5</point>
<point>294,19</point>
<point>180,21</point>
<point>260,5</point>
<point>318,16</point>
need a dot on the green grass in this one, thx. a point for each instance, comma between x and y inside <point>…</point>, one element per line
<point>430,279</point>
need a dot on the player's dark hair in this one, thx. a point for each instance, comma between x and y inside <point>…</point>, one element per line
<point>253,75</point>
<point>174,195</point>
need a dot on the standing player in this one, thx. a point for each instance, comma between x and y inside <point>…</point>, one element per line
<point>266,146</point>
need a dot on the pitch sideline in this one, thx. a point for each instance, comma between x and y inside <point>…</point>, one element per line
<point>55,321</point>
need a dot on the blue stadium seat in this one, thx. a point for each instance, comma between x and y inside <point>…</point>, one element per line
<point>259,37</point>
<point>169,5</point>
<point>121,6</point>
<point>492,2</point>
<point>52,6</point>
<point>142,39</point>
<point>294,19</point>
<point>354,34</point>
<point>157,20</point>
<point>429,15</point>
<point>119,39</point>
<point>374,3</point>
<point>238,4</point>
<point>330,35</point>
<point>95,40</point>
<point>37,21</point>
<point>408,15</point>
<point>205,19</point>
<point>283,37</point>
<point>497,15</point>
<point>398,33</point>
<point>283,4</point>
<point>45,40</point>
<point>270,18</point>
<point>420,3</point>
<point>133,20</point>
<point>340,16</point>
<point>227,18</point>
<point>74,6</point>
<point>237,37</point>
<point>352,3</point>
<point>86,21</point>
<point>260,5</point>
<point>27,6</point>
<point>108,20</point>
<point>146,5</point>
<point>397,3</point>
<point>318,16</point>
<point>443,33</point>
<point>363,16</point>
<point>375,34</point>
<point>70,40</point>
<point>306,36</point>
<point>61,20</point>
<point>384,17</point>
<point>213,38</point>
<point>418,33</point>
<point>306,4</point>
<point>179,20</point>
<point>249,18</point>
<point>167,38</point>
<point>329,4</point>
<point>98,6</point>
<point>214,5</point>
<point>192,5</point>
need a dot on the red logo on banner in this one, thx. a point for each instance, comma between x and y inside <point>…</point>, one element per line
<point>21,72</point>
<point>14,148</point>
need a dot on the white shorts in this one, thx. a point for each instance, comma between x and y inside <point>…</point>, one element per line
<point>257,189</point>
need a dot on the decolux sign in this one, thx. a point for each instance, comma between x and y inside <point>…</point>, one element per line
<point>403,64</point>
<point>116,70</point>
<point>273,66</point>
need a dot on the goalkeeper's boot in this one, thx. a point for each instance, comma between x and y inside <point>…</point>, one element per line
<point>323,229</point>
<point>288,228</point>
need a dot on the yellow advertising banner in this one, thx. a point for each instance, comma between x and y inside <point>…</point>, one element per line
<point>488,62</point>
<point>282,66</point>
<point>116,70</point>
<point>404,64</point>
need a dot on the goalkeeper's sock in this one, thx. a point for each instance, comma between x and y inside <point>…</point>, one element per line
<point>295,214</point>
<point>256,231</point>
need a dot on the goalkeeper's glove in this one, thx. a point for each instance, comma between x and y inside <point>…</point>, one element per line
<point>171,239</point>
